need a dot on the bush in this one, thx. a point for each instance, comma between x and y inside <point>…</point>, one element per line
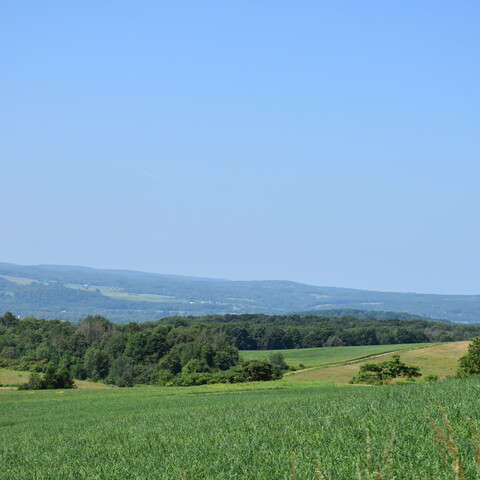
<point>257,370</point>
<point>164,377</point>
<point>379,373</point>
<point>51,380</point>
<point>278,360</point>
<point>470,363</point>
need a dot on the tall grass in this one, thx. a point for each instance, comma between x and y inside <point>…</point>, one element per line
<point>306,432</point>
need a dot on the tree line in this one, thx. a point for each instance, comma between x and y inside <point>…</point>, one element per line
<point>194,350</point>
<point>124,355</point>
<point>275,332</point>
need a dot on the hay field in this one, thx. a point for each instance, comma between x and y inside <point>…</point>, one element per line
<point>441,359</point>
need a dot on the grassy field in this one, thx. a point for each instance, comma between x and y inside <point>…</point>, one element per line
<point>273,430</point>
<point>440,359</point>
<point>14,378</point>
<point>18,280</point>
<point>313,357</point>
<point>120,294</point>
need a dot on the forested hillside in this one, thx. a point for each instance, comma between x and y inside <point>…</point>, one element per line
<point>72,293</point>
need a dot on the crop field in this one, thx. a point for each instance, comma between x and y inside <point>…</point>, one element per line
<point>19,280</point>
<point>440,359</point>
<point>272,430</point>
<point>121,294</point>
<point>313,357</point>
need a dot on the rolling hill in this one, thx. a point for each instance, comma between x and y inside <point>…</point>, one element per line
<point>70,293</point>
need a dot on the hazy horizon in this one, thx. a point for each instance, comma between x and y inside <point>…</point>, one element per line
<point>170,274</point>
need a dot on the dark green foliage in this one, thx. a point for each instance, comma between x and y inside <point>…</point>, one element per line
<point>164,377</point>
<point>97,349</point>
<point>122,373</point>
<point>257,370</point>
<point>470,363</point>
<point>8,320</point>
<point>34,383</point>
<point>122,355</point>
<point>277,359</point>
<point>226,358</point>
<point>53,379</point>
<point>182,354</point>
<point>197,372</point>
<point>379,373</point>
<point>96,364</point>
<point>196,365</point>
<point>261,332</point>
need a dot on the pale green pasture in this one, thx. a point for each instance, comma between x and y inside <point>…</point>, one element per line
<point>13,377</point>
<point>439,359</point>
<point>312,357</point>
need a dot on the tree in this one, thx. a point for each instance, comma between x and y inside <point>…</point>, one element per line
<point>257,370</point>
<point>470,363</point>
<point>277,359</point>
<point>94,327</point>
<point>378,373</point>
<point>96,364</point>
<point>136,347</point>
<point>34,382</point>
<point>196,365</point>
<point>64,379</point>
<point>8,320</point>
<point>51,380</point>
<point>122,372</point>
<point>227,358</point>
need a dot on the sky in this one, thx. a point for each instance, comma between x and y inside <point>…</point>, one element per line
<point>334,143</point>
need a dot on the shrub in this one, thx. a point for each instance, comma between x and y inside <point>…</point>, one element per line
<point>257,370</point>
<point>51,380</point>
<point>470,363</point>
<point>379,373</point>
<point>278,360</point>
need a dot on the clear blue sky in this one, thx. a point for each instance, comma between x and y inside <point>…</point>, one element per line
<point>332,143</point>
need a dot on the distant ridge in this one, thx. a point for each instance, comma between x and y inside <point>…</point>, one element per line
<point>73,292</point>
<point>375,314</point>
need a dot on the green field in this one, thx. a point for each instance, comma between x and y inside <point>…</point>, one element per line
<point>314,357</point>
<point>440,359</point>
<point>12,377</point>
<point>276,430</point>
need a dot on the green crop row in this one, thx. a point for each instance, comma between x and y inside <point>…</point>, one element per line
<point>220,432</point>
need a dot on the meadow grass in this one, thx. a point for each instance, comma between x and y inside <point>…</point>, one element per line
<point>440,359</point>
<point>271,430</point>
<point>313,357</point>
<point>12,377</point>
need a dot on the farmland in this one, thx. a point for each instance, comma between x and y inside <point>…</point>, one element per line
<point>441,359</point>
<point>272,430</point>
<point>314,357</point>
<point>291,428</point>
<point>70,293</point>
